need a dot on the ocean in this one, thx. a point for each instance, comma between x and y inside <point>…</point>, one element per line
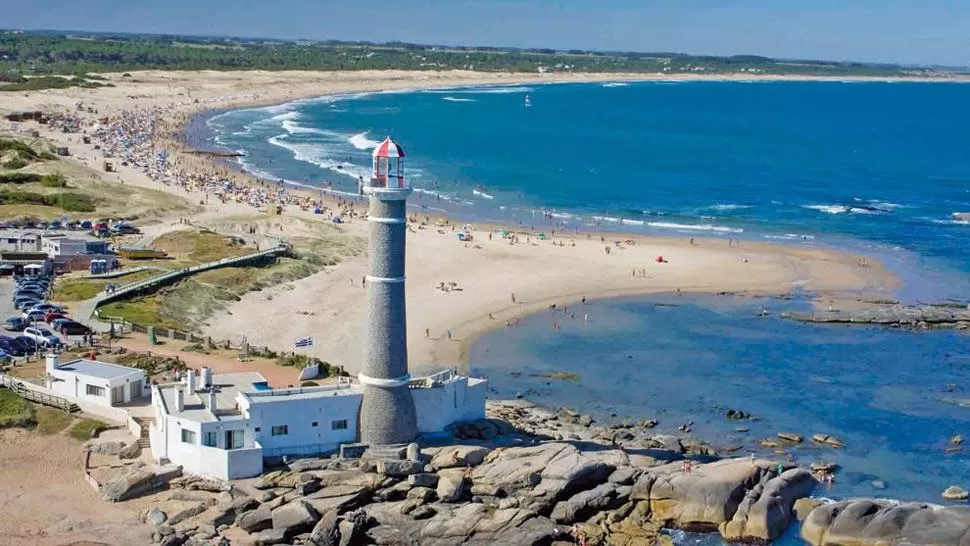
<point>876,168</point>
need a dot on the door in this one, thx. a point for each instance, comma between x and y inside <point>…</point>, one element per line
<point>234,439</point>
<point>117,394</point>
<point>134,389</point>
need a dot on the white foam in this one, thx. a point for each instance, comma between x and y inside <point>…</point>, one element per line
<point>491,90</point>
<point>293,128</point>
<point>361,142</point>
<point>606,219</point>
<point>695,227</point>
<point>482,194</point>
<point>315,154</point>
<point>831,209</point>
<point>727,206</point>
<point>289,115</point>
<point>615,84</point>
<point>457,99</point>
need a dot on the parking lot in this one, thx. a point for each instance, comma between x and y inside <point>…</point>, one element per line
<point>6,305</point>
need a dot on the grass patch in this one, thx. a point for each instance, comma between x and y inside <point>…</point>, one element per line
<point>15,411</point>
<point>15,163</point>
<point>561,376</point>
<point>68,201</point>
<point>52,421</point>
<point>51,82</point>
<point>150,364</point>
<point>85,289</point>
<point>197,247</point>
<point>84,428</point>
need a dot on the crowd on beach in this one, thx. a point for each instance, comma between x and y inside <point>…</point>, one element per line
<point>148,139</point>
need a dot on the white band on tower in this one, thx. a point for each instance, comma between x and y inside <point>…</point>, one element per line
<point>386,383</point>
<point>381,220</point>
<point>390,280</point>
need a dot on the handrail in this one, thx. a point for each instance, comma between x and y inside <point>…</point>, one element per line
<point>151,281</point>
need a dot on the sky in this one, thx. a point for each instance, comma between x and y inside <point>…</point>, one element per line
<point>894,31</point>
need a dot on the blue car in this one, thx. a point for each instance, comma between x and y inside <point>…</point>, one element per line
<point>24,345</point>
<point>15,324</point>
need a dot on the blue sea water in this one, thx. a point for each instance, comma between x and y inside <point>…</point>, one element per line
<point>874,167</point>
<point>877,168</point>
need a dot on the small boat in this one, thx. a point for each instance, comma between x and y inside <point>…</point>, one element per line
<point>528,101</point>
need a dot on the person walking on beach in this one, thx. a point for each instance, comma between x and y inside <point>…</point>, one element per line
<point>513,297</point>
<point>427,332</point>
<point>449,335</point>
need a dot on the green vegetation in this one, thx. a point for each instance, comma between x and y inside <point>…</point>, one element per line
<point>15,154</point>
<point>45,180</point>
<point>309,384</point>
<point>14,164</point>
<point>197,247</point>
<point>295,360</point>
<point>68,201</point>
<point>79,289</point>
<point>15,411</point>
<point>84,429</point>
<point>50,82</point>
<point>52,421</point>
<point>151,364</point>
<point>46,53</point>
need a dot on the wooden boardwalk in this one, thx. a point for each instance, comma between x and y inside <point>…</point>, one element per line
<point>32,395</point>
<point>87,308</point>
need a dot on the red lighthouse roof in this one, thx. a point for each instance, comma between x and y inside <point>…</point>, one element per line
<point>389,149</point>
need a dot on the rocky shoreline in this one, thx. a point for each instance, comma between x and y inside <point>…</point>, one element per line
<point>531,475</point>
<point>914,317</point>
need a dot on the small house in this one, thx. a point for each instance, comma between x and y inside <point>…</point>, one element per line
<point>96,382</point>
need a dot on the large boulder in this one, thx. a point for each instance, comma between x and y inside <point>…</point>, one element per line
<point>544,474</point>
<point>584,504</point>
<point>326,532</point>
<point>451,484</point>
<point>399,469</point>
<point>865,522</point>
<point>226,514</point>
<point>766,509</point>
<point>256,520</point>
<point>127,483</point>
<point>110,447</point>
<point>295,518</point>
<point>130,451</point>
<point>735,496</point>
<point>468,524</point>
<point>459,456</point>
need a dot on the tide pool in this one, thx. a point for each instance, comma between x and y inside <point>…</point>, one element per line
<point>895,398</point>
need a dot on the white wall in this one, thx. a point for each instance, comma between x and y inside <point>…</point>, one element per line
<point>73,385</point>
<point>452,402</point>
<point>299,415</point>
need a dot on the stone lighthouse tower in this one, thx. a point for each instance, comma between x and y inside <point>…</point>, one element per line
<point>387,414</point>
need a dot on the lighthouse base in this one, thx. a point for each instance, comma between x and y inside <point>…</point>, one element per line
<point>387,416</point>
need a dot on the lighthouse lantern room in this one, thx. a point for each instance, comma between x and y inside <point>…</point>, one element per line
<point>389,166</point>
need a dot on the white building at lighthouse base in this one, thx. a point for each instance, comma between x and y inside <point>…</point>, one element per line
<point>222,426</point>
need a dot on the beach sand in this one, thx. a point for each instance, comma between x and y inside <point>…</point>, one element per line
<point>330,305</point>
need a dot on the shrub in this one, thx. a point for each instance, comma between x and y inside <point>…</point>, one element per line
<point>55,180</point>
<point>15,163</point>
<point>310,384</point>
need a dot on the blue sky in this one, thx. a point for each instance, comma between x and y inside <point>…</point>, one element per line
<point>906,31</point>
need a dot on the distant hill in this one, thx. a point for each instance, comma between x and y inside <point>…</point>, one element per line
<point>23,53</point>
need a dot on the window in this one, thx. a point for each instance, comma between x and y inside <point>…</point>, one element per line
<point>338,425</point>
<point>94,390</point>
<point>188,436</point>
<point>280,430</point>
<point>257,429</point>
<point>313,424</point>
<point>234,439</point>
<point>209,439</point>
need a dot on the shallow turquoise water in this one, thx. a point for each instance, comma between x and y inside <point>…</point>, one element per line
<point>679,359</point>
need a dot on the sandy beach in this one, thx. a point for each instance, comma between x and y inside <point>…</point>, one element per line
<point>486,273</point>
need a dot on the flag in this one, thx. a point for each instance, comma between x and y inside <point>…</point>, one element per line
<point>304,342</point>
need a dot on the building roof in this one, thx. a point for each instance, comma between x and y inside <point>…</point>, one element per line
<point>388,148</point>
<point>101,370</point>
<point>227,385</point>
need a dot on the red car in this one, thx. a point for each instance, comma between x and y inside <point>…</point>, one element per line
<point>51,317</point>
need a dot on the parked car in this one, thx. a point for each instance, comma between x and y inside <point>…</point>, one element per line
<point>54,315</point>
<point>25,304</point>
<point>57,323</point>
<point>125,229</point>
<point>34,315</point>
<point>43,337</point>
<point>47,308</point>
<point>23,345</point>
<point>10,346</point>
<point>86,224</point>
<point>73,328</point>
<point>15,324</point>
<point>28,293</point>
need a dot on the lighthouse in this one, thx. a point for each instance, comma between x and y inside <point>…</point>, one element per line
<point>387,414</point>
